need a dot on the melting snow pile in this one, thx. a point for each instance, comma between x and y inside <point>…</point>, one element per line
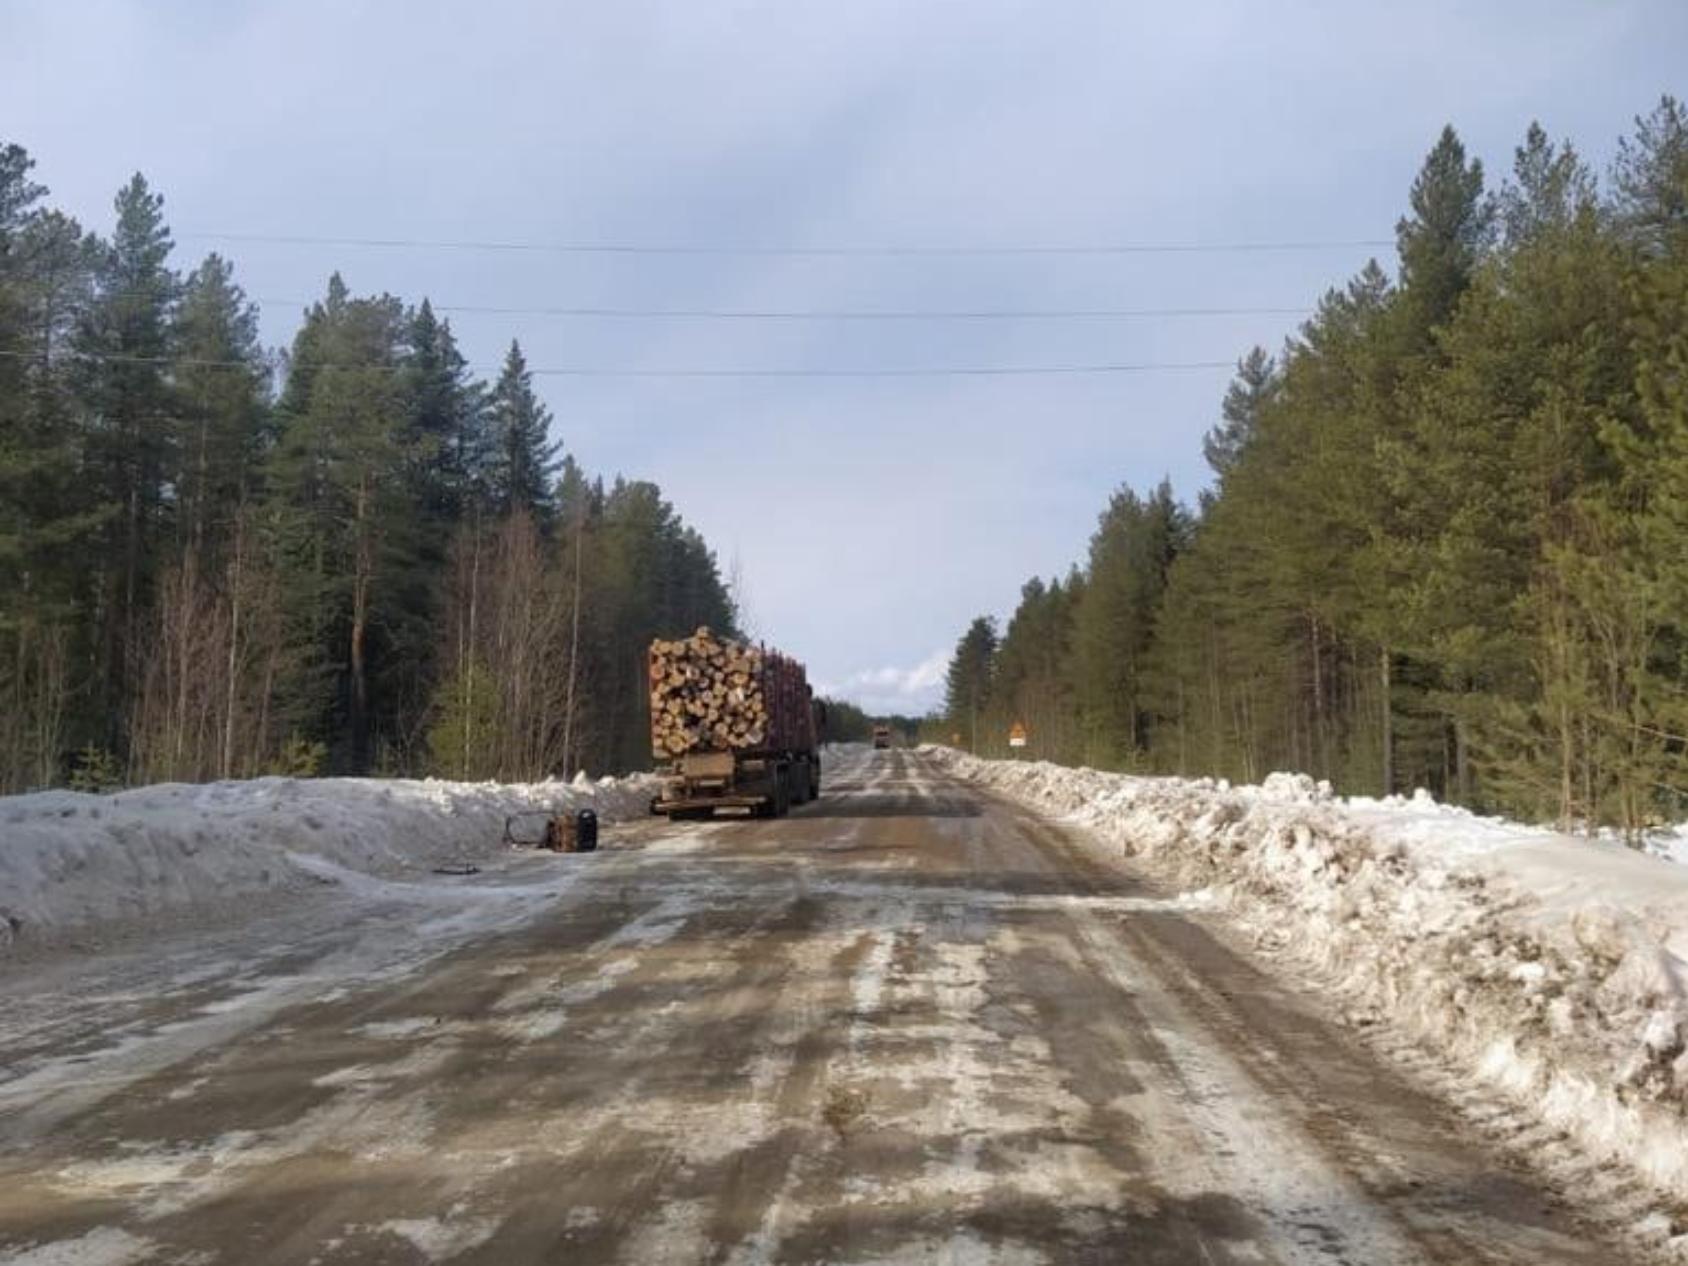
<point>1550,967</point>
<point>71,862</point>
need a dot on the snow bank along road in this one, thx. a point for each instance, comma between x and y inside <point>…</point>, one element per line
<point>910,1023</point>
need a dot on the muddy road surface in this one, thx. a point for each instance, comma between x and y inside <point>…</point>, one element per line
<point>909,1023</point>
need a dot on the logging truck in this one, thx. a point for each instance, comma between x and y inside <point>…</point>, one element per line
<point>733,727</point>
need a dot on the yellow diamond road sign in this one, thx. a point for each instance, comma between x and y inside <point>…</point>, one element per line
<point>1017,734</point>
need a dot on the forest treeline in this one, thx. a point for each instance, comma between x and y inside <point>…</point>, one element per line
<point>847,722</point>
<point>355,556</point>
<point>1446,544</point>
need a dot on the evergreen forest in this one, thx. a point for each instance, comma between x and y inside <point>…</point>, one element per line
<point>1446,540</point>
<point>353,556</point>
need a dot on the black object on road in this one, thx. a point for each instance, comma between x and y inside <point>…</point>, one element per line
<point>586,831</point>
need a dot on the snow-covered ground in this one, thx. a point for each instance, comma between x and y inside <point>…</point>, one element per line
<point>80,867</point>
<point>1671,845</point>
<point>1548,968</point>
<point>1551,969</point>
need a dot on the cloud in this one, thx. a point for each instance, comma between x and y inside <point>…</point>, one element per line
<point>872,518</point>
<point>908,691</point>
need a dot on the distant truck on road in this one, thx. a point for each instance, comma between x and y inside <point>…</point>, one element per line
<point>733,727</point>
<point>881,737</point>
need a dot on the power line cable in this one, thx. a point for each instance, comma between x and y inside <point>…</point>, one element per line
<point>682,249</point>
<point>847,314</point>
<point>586,371</point>
<point>619,312</point>
<point>862,314</point>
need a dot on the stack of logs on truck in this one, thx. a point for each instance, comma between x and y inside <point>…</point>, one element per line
<point>733,727</point>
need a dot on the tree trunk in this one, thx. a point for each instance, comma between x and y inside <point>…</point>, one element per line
<point>1320,760</point>
<point>1462,764</point>
<point>1183,751</point>
<point>1590,814</point>
<point>187,616</point>
<point>362,567</point>
<point>1385,674</point>
<point>467,658</point>
<point>574,647</point>
<point>225,763</point>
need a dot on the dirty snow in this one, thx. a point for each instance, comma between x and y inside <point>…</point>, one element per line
<point>75,866</point>
<point>1552,969</point>
<point>104,1246</point>
<point>442,1239</point>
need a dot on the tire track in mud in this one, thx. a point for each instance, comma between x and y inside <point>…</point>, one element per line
<point>909,1023</point>
<point>1400,1151</point>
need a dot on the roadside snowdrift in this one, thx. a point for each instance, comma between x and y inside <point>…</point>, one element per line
<point>74,864</point>
<point>1550,968</point>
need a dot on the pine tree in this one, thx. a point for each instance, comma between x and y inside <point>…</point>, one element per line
<point>1650,179</point>
<point>19,436</point>
<point>1441,245</point>
<point>18,196</point>
<point>1632,600</point>
<point>1446,545</point>
<point>44,522</point>
<point>524,458</point>
<point>125,345</point>
<point>1031,683</point>
<point>1442,240</point>
<point>196,584</point>
<point>196,686</point>
<point>1244,399</point>
<point>968,682</point>
<point>1503,435</point>
<point>1549,189</point>
<point>1131,554</point>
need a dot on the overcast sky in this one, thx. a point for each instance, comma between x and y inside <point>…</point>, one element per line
<point>869,518</point>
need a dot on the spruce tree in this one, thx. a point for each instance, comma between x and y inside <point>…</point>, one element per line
<point>524,458</point>
<point>221,382</point>
<point>448,425</point>
<point>339,487</point>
